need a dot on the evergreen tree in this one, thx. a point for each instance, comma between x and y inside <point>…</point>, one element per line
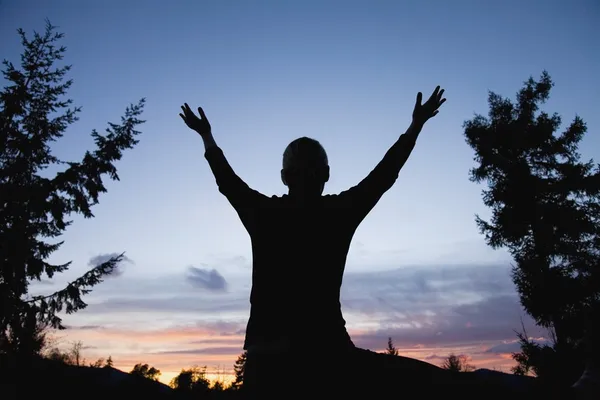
<point>35,205</point>
<point>238,370</point>
<point>545,207</point>
<point>391,350</point>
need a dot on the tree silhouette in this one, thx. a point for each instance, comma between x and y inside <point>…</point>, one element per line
<point>238,370</point>
<point>218,386</point>
<point>39,192</point>
<point>191,380</point>
<point>549,362</point>
<point>76,353</point>
<point>457,363</point>
<point>109,362</point>
<point>71,356</point>
<point>146,371</point>
<point>545,207</point>
<point>532,357</point>
<point>23,337</point>
<point>390,349</point>
<point>56,355</point>
<point>99,363</point>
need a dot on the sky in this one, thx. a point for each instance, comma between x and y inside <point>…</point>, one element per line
<point>266,72</point>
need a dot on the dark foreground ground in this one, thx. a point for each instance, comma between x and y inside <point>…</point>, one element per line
<point>47,379</point>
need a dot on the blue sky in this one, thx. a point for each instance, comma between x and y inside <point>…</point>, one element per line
<point>267,72</point>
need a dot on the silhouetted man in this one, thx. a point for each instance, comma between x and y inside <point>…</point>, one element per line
<point>296,336</point>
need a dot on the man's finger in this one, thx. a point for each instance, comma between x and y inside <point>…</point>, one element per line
<point>201,112</point>
<point>419,99</point>
<point>440,93</point>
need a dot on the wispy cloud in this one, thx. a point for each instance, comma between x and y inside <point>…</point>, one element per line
<point>514,346</point>
<point>206,279</point>
<point>102,258</point>
<point>433,305</point>
<point>484,321</point>
<point>229,350</point>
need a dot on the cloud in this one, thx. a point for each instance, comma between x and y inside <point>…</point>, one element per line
<point>430,291</point>
<point>198,332</point>
<point>84,327</point>
<point>485,321</point>
<point>228,262</point>
<point>182,304</point>
<point>429,311</point>
<point>221,340</point>
<point>434,358</point>
<point>514,346</point>
<point>206,279</point>
<point>102,258</point>
<point>432,306</point>
<point>229,350</point>
<point>504,348</point>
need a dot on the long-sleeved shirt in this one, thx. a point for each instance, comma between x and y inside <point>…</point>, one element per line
<point>299,250</point>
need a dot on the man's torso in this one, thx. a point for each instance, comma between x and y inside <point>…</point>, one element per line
<point>299,255</point>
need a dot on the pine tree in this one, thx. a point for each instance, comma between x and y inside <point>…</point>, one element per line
<point>35,205</point>
<point>545,204</point>
<point>391,350</point>
<point>238,370</point>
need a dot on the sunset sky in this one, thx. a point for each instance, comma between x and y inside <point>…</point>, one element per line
<point>267,72</point>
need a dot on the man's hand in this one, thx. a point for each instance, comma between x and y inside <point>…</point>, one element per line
<point>423,112</point>
<point>200,125</point>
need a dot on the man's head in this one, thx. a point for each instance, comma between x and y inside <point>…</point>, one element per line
<point>305,167</point>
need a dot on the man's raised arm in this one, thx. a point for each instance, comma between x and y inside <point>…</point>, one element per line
<point>363,197</point>
<point>239,194</point>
